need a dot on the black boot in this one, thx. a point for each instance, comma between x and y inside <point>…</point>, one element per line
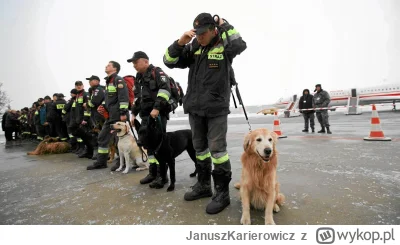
<point>116,165</point>
<point>100,163</point>
<point>161,179</point>
<point>305,130</point>
<point>312,130</point>
<point>151,176</point>
<point>328,131</point>
<point>80,149</point>
<point>203,186</point>
<point>74,144</point>
<point>322,130</point>
<point>87,153</point>
<point>221,198</point>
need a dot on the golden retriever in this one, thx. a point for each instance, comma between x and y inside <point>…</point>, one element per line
<point>51,146</point>
<point>258,185</point>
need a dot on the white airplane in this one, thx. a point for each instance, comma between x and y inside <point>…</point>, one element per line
<point>362,96</point>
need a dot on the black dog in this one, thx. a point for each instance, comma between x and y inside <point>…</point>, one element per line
<point>167,147</point>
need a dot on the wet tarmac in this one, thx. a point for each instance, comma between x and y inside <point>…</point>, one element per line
<point>337,179</point>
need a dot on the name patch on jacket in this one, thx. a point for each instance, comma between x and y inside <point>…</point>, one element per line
<point>215,57</point>
<point>213,65</point>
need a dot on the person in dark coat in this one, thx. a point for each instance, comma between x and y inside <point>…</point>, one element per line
<point>306,103</point>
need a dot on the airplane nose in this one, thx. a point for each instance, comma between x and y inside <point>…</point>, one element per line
<point>267,151</point>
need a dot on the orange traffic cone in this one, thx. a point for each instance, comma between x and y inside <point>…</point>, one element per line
<point>376,133</point>
<point>277,128</point>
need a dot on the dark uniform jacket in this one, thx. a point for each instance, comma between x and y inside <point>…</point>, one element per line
<point>51,111</point>
<point>208,92</point>
<point>78,112</point>
<point>151,93</point>
<point>60,105</point>
<point>96,98</point>
<point>306,102</point>
<point>322,99</point>
<point>11,120</point>
<point>116,99</point>
<point>67,112</point>
<point>3,121</point>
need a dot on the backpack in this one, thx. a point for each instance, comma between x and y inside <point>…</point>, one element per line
<point>130,83</point>
<point>174,99</point>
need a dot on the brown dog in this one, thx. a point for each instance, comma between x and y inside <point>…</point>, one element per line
<point>258,185</point>
<point>51,146</point>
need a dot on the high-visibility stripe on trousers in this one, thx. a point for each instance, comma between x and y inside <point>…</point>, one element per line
<point>220,158</point>
<point>153,160</point>
<point>203,155</point>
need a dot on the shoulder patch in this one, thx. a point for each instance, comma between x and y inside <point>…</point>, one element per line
<point>120,85</point>
<point>164,79</point>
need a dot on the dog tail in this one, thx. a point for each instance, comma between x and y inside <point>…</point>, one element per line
<point>280,199</point>
<point>237,185</point>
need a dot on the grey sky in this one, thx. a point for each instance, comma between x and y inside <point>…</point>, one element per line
<point>47,45</point>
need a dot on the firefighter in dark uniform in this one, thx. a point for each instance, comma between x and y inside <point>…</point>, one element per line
<point>209,57</point>
<point>67,119</point>
<point>10,123</point>
<point>80,121</point>
<point>23,119</point>
<point>31,122</point>
<point>151,98</point>
<point>116,103</point>
<point>60,126</point>
<point>40,130</point>
<point>48,112</point>
<point>96,98</point>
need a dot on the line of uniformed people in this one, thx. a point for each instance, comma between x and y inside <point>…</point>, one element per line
<point>208,51</point>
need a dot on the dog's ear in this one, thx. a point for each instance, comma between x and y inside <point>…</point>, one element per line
<point>274,136</point>
<point>247,142</point>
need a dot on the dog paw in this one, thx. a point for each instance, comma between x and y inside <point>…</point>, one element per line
<point>192,175</point>
<point>118,169</point>
<point>171,188</point>
<point>126,171</point>
<point>245,220</point>
<point>276,208</point>
<point>269,222</point>
<point>237,185</point>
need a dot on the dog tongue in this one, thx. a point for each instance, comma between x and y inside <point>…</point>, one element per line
<point>112,131</point>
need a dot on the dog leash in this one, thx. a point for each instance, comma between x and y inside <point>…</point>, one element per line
<point>239,97</point>
<point>143,153</point>
<point>162,135</point>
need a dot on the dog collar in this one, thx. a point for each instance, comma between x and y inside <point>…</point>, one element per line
<point>123,135</point>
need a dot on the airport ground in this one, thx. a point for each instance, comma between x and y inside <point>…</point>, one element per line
<point>337,179</point>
